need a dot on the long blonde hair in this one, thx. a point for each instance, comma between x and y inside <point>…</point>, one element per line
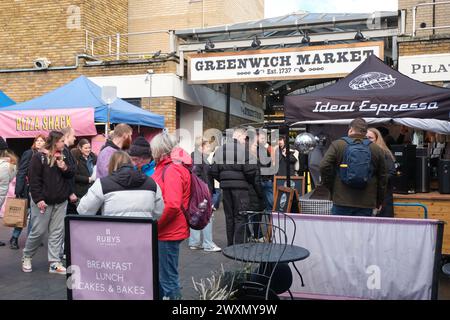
<point>380,142</point>
<point>118,159</point>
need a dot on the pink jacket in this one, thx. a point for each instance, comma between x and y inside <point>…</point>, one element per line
<point>10,194</point>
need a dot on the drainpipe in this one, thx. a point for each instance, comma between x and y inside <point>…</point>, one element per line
<point>228,105</point>
<point>77,63</point>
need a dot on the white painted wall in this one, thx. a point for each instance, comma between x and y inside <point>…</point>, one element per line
<point>191,120</point>
<point>170,85</point>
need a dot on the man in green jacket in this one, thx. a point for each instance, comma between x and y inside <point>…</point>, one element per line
<point>348,200</point>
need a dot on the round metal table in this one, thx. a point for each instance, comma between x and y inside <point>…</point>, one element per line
<point>265,252</point>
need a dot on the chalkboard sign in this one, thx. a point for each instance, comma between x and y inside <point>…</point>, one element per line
<point>297,183</point>
<point>111,258</point>
<point>283,199</point>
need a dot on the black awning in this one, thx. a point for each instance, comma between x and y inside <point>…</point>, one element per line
<point>372,90</point>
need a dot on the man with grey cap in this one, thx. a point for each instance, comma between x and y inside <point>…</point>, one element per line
<point>141,156</point>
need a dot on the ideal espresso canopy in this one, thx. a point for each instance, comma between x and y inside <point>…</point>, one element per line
<point>373,90</point>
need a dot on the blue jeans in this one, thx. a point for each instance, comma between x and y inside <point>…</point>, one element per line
<point>350,211</point>
<point>216,197</point>
<point>194,238</point>
<point>267,186</point>
<point>169,279</point>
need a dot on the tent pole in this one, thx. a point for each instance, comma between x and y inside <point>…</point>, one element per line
<point>107,123</point>
<point>288,157</point>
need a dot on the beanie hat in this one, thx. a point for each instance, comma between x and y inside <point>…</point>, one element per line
<point>3,144</point>
<point>140,148</point>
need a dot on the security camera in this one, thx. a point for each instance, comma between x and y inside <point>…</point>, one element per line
<point>42,63</point>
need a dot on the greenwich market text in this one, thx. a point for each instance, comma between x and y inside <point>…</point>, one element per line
<point>283,60</point>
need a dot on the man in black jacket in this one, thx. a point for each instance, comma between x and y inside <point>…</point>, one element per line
<point>282,156</point>
<point>232,168</point>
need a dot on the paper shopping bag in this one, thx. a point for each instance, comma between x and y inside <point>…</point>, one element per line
<point>15,213</point>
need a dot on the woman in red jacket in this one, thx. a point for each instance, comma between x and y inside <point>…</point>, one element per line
<point>172,170</point>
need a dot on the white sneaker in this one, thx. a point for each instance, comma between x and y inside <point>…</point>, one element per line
<point>26,264</point>
<point>213,249</point>
<point>195,247</point>
<point>57,267</point>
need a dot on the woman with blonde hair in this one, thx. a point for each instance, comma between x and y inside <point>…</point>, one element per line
<point>49,176</point>
<point>22,189</point>
<point>387,209</point>
<point>124,192</point>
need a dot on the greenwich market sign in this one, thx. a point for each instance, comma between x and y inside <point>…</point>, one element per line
<point>331,61</point>
<point>432,67</point>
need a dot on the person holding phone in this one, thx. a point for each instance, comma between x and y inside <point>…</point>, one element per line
<point>50,176</point>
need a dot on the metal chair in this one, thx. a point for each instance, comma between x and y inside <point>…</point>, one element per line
<point>281,220</point>
<point>258,263</point>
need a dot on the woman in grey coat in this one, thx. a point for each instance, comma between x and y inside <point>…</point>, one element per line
<point>125,192</point>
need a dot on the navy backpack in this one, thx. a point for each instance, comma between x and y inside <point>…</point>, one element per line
<point>355,169</point>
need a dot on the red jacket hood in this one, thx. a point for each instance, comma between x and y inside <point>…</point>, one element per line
<point>178,155</point>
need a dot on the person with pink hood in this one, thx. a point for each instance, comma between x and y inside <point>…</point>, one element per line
<point>172,174</point>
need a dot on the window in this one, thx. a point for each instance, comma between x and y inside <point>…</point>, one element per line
<point>134,101</point>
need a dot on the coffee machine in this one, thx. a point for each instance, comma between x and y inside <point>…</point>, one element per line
<point>423,170</point>
<point>404,180</point>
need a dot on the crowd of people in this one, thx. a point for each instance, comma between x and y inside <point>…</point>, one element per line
<point>142,179</point>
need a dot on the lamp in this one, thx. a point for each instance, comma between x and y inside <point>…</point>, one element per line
<point>256,43</point>
<point>109,95</point>
<point>209,45</point>
<point>359,36</point>
<point>156,54</point>
<point>148,79</point>
<point>306,39</point>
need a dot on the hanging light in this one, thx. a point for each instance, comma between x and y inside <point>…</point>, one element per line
<point>209,45</point>
<point>256,43</point>
<point>306,39</point>
<point>359,36</point>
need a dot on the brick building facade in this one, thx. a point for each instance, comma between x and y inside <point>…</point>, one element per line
<point>61,30</point>
<point>422,43</point>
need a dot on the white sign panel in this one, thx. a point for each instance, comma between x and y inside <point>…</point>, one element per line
<point>365,257</point>
<point>432,67</point>
<point>331,61</point>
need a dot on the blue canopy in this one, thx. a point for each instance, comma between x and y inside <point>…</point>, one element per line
<point>83,93</point>
<point>5,100</point>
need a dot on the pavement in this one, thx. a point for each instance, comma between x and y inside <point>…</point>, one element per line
<point>40,285</point>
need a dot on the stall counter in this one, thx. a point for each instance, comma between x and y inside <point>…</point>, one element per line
<point>438,206</point>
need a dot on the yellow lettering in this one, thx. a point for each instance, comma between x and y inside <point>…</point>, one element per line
<point>27,124</point>
<point>18,128</point>
<point>36,123</point>
<point>57,127</point>
<point>44,123</point>
<point>68,121</point>
<point>50,123</point>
